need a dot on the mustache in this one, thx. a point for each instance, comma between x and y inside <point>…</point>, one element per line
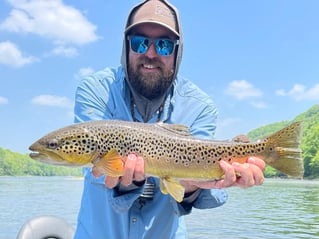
<point>154,61</point>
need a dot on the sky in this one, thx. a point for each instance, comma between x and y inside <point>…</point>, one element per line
<point>258,60</point>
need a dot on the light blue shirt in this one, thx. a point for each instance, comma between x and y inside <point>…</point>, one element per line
<point>118,213</point>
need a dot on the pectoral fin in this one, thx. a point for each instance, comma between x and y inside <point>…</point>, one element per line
<point>111,164</point>
<point>173,187</point>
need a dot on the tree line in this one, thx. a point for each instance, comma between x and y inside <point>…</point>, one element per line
<point>16,164</point>
<point>309,141</point>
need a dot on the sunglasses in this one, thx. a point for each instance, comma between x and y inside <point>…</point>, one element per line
<point>163,46</point>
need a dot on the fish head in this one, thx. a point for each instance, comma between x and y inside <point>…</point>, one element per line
<point>72,145</point>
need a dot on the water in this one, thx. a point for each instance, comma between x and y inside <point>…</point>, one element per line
<point>282,209</point>
<point>22,198</point>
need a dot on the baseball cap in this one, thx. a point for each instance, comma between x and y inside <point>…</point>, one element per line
<point>154,11</point>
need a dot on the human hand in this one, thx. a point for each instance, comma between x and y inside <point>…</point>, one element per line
<point>133,171</point>
<point>251,174</point>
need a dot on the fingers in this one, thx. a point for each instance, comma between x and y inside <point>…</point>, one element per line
<point>258,166</point>
<point>258,162</point>
<point>129,168</point>
<point>133,171</point>
<point>139,174</point>
<point>109,182</point>
<point>246,172</point>
<point>243,175</point>
<point>229,179</point>
<point>251,173</point>
<point>236,174</point>
<point>230,174</point>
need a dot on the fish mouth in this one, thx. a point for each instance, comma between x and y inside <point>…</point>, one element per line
<point>45,158</point>
<point>37,155</point>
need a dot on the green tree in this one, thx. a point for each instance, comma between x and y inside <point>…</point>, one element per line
<point>310,141</point>
<point>15,164</point>
<point>310,148</point>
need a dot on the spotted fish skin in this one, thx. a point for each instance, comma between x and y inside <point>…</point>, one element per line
<point>169,151</point>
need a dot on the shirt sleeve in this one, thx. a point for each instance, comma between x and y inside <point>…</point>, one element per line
<point>90,100</point>
<point>203,199</point>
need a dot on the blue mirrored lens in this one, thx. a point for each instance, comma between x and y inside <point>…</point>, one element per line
<point>139,44</point>
<point>164,47</point>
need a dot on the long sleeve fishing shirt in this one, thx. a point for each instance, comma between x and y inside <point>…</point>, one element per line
<point>121,212</point>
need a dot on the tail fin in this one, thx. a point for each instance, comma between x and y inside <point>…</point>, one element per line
<point>286,146</point>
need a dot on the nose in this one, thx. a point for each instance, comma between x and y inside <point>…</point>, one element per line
<point>151,52</point>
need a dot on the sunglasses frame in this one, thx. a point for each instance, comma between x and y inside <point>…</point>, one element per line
<point>153,41</point>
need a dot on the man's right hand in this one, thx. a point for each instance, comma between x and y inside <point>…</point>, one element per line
<point>133,171</point>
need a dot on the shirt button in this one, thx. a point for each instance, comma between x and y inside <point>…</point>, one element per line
<point>134,220</point>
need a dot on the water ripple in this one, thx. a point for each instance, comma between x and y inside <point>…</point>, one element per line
<point>282,209</point>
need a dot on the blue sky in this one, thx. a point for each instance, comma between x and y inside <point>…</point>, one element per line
<point>259,60</point>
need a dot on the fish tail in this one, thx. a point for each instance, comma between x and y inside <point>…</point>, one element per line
<point>284,152</point>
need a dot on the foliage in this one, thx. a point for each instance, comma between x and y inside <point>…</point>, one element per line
<point>15,164</point>
<point>309,141</point>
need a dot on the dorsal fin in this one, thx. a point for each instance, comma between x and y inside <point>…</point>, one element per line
<point>175,128</point>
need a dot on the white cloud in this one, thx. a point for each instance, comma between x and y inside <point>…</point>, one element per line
<point>52,100</point>
<point>3,100</point>
<point>12,56</point>
<point>83,72</point>
<point>50,19</point>
<point>241,89</point>
<point>301,92</point>
<point>86,71</point>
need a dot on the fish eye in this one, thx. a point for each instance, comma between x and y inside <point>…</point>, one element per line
<point>53,144</point>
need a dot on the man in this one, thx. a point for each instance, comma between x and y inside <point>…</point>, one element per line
<point>146,88</point>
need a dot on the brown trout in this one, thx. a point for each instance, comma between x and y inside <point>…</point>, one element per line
<point>170,152</point>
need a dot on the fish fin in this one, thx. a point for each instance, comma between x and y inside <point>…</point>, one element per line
<point>285,154</point>
<point>175,128</point>
<point>111,164</point>
<point>173,187</point>
<point>241,138</point>
<point>162,187</point>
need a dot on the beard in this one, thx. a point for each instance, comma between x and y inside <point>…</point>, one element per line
<point>150,85</point>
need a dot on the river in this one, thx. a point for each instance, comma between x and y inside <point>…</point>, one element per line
<point>282,209</point>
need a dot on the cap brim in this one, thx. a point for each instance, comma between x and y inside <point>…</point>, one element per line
<point>154,22</point>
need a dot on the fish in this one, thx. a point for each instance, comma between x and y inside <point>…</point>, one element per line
<point>170,151</point>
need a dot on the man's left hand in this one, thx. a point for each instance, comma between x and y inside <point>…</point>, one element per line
<point>251,174</point>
